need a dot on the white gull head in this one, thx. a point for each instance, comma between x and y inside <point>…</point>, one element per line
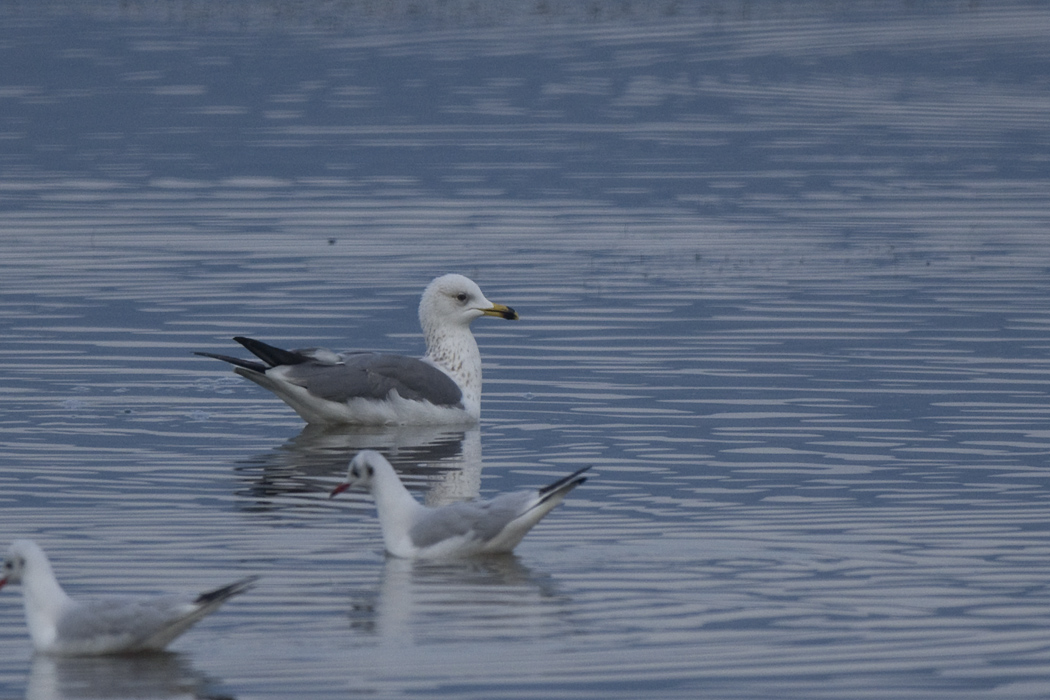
<point>448,306</point>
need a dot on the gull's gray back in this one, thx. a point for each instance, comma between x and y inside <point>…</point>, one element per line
<point>130,618</point>
<point>372,376</point>
<point>482,520</point>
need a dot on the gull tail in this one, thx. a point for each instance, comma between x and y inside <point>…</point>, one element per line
<point>271,356</point>
<point>547,498</point>
<point>204,604</point>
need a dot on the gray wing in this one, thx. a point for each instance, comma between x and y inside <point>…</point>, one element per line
<point>126,619</point>
<point>138,623</point>
<point>481,520</point>
<point>373,376</point>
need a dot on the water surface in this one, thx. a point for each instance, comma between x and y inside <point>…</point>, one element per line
<point>782,278</point>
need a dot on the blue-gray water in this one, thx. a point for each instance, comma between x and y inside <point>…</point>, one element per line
<point>784,278</point>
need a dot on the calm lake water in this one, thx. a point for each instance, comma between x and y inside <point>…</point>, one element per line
<point>784,278</point>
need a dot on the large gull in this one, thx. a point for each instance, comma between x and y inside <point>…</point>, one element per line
<point>114,625</point>
<point>463,529</point>
<point>368,388</point>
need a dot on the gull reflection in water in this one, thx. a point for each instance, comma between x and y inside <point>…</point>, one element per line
<point>446,462</point>
<point>475,598</point>
<point>155,676</point>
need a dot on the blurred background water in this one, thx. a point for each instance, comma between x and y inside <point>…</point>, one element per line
<point>783,277</point>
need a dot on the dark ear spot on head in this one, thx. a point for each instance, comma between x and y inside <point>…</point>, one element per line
<point>371,471</point>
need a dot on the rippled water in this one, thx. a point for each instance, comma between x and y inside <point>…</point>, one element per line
<point>782,274</point>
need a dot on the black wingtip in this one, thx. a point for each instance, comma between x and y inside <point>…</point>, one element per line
<point>228,591</point>
<point>271,355</point>
<point>574,479</point>
<point>246,364</point>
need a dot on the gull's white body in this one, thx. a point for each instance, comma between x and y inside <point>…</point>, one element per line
<point>61,625</point>
<point>444,387</point>
<point>471,528</point>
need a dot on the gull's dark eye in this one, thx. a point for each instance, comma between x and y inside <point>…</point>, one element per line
<point>462,296</point>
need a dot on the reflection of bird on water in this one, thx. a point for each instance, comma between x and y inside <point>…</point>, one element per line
<point>116,625</point>
<point>155,676</point>
<point>367,388</point>
<point>460,529</point>
<point>443,460</point>
<point>476,597</point>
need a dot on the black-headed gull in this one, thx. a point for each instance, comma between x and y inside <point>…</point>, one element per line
<point>117,625</point>
<point>463,529</point>
<point>368,388</point>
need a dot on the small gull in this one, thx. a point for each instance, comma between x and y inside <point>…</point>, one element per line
<point>368,388</point>
<point>116,625</point>
<point>463,529</point>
